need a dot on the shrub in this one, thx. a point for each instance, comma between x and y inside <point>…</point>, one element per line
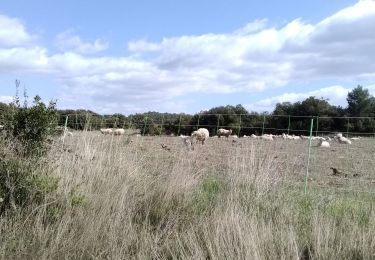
<point>21,148</point>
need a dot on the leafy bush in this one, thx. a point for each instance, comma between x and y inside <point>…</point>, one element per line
<point>21,148</point>
<point>29,127</point>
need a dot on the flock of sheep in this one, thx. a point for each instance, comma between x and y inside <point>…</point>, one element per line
<point>202,134</point>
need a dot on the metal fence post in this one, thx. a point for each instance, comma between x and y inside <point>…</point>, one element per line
<point>264,119</point>
<point>239,128</point>
<point>162,125</point>
<point>218,122</point>
<point>145,124</point>
<point>179,126</point>
<point>65,128</point>
<point>309,153</point>
<point>347,128</point>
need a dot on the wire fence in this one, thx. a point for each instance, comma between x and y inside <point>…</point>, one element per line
<point>343,167</point>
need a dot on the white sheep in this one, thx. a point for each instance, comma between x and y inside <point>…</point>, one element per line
<point>253,136</point>
<point>267,137</point>
<point>119,131</point>
<point>224,132</point>
<point>201,135</point>
<point>1,127</point>
<point>106,131</point>
<point>323,143</point>
<point>342,140</point>
<point>188,141</point>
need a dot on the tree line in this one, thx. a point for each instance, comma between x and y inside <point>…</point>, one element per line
<point>294,118</point>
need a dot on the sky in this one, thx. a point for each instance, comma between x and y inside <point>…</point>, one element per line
<point>185,56</point>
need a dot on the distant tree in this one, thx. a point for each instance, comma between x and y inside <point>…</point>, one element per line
<point>360,102</point>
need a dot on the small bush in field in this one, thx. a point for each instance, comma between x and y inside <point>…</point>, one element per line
<point>21,156</point>
<point>29,127</point>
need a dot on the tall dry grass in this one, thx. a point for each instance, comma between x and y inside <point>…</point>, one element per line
<point>127,198</point>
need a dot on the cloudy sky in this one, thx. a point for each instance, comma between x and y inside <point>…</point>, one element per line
<point>186,56</point>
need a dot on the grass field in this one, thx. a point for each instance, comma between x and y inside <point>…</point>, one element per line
<point>128,198</point>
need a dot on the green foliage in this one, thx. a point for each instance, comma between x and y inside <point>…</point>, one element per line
<point>22,147</point>
<point>29,127</point>
<point>77,199</point>
<point>360,102</point>
<point>206,197</point>
<point>349,210</point>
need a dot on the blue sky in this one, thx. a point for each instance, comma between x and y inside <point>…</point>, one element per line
<point>186,56</point>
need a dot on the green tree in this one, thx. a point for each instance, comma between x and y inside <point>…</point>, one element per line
<point>360,102</point>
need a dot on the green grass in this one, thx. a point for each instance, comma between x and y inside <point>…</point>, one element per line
<point>131,199</point>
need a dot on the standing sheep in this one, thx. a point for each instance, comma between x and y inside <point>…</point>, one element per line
<point>106,131</point>
<point>201,135</point>
<point>224,132</point>
<point>119,131</point>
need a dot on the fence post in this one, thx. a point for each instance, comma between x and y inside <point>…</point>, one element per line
<point>218,122</point>
<point>309,153</point>
<point>347,128</point>
<point>264,119</point>
<point>239,129</point>
<point>76,124</point>
<point>179,126</point>
<point>65,128</point>
<point>288,124</point>
<point>199,117</point>
<point>145,124</point>
<point>162,125</point>
<point>317,125</point>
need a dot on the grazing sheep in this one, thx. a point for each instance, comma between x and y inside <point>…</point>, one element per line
<point>106,131</point>
<point>188,141</point>
<point>119,131</point>
<point>201,135</point>
<point>342,140</point>
<point>224,132</point>
<point>267,137</point>
<point>323,143</point>
<point>1,127</point>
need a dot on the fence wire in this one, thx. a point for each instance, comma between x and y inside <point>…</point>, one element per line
<point>348,167</point>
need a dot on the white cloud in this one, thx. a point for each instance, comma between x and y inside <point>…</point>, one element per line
<point>6,99</point>
<point>13,32</point>
<point>257,57</point>
<point>68,41</point>
<point>335,94</point>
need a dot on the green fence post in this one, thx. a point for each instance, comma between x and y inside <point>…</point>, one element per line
<point>145,124</point>
<point>218,122</point>
<point>65,128</point>
<point>309,153</point>
<point>347,128</point>
<point>239,128</point>
<point>264,119</point>
<point>179,126</point>
<point>162,125</point>
<point>288,124</point>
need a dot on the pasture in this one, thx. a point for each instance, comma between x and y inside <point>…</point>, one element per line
<point>132,198</point>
